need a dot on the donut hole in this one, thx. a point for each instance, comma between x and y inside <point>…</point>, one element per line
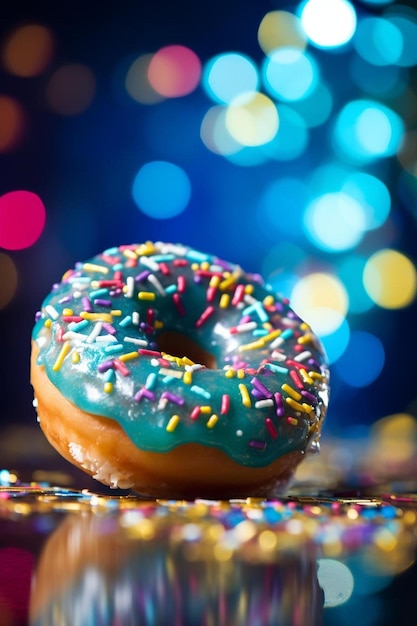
<point>177,344</point>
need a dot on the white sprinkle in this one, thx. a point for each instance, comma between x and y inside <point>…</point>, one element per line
<point>107,339</point>
<point>150,263</point>
<point>135,318</point>
<point>70,334</point>
<point>155,282</point>
<point>242,328</point>
<point>130,284</point>
<point>164,371</point>
<point>95,332</point>
<point>52,312</point>
<point>138,342</point>
<point>303,356</point>
<point>263,404</point>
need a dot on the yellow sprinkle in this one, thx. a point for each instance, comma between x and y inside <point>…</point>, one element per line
<point>100,317</point>
<point>254,345</point>
<point>75,357</point>
<point>158,324</point>
<point>291,392</point>
<point>230,373</point>
<point>214,281</point>
<point>129,356</point>
<point>195,266</point>
<point>205,408</point>
<point>230,280</point>
<point>145,249</point>
<point>48,323</point>
<point>146,295</point>
<point>315,375</point>
<point>241,373</point>
<point>131,254</point>
<point>92,267</point>
<point>305,326</point>
<point>205,265</point>
<point>268,300</point>
<point>249,289</point>
<point>306,378</point>
<point>295,405</point>
<point>64,351</point>
<point>245,395</point>
<point>108,387</point>
<point>188,378</point>
<point>67,312</point>
<point>224,301</point>
<point>292,420</point>
<point>186,361</point>
<point>116,312</point>
<point>307,408</point>
<point>308,338</point>
<point>173,423</point>
<point>212,421</point>
<point>271,336</point>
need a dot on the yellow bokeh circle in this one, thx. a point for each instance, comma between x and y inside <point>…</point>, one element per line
<point>281,29</point>
<point>252,119</point>
<point>390,279</point>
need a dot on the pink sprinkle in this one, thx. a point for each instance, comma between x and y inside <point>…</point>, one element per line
<point>178,303</point>
<point>121,367</point>
<point>225,406</point>
<point>271,428</point>
<point>195,412</point>
<point>164,269</point>
<point>146,352</point>
<point>150,316</point>
<point>296,379</point>
<point>238,294</point>
<point>181,284</point>
<point>211,293</point>
<point>204,316</point>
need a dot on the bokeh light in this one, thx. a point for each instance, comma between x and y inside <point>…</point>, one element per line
<point>404,18</point>
<point>71,89</point>
<point>366,130</point>
<point>289,74</point>
<point>229,75</point>
<point>291,140</point>
<point>378,41</point>
<point>161,189</point>
<point>322,300</point>
<point>22,219</point>
<point>28,50</point>
<point>12,123</point>
<point>316,106</point>
<point>337,339</point>
<point>281,29</point>
<point>252,119</point>
<point>335,222</point>
<point>362,361</point>
<point>137,82</point>
<point>350,271</point>
<point>328,23</point>
<point>174,71</point>
<point>8,283</point>
<point>390,279</point>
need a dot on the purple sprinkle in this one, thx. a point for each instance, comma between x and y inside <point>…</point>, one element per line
<point>142,276</point>
<point>258,394</point>
<point>280,404</point>
<point>106,365</point>
<point>258,445</point>
<point>260,387</point>
<point>109,328</point>
<point>87,304</point>
<point>144,393</point>
<point>101,302</point>
<point>309,396</point>
<point>172,398</point>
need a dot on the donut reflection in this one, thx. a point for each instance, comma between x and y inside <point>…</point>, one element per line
<point>106,570</point>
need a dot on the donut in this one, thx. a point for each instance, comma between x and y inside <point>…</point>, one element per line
<point>176,374</point>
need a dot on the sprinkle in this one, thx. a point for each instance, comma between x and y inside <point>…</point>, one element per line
<point>246,401</point>
<point>126,321</point>
<point>212,421</point>
<point>116,312</point>
<point>95,332</point>
<point>188,377</point>
<point>155,282</point>
<point>172,397</point>
<point>146,295</point>
<point>71,319</point>
<point>271,428</point>
<point>77,326</point>
<point>242,328</point>
<point>135,318</point>
<point>108,387</point>
<point>129,356</point>
<point>225,406</point>
<point>280,410</point>
<point>238,294</point>
<point>137,342</point>
<point>66,312</point>
<point>173,423</point>
<point>291,392</point>
<point>51,311</point>
<point>303,356</point>
<point>74,336</point>
<point>309,396</point>
<point>181,283</point>
<point>144,393</point>
<point>258,445</point>
<point>75,357</point>
<point>230,373</point>
<point>103,302</point>
<point>264,404</point>
<point>151,381</point>
<point>205,315</point>
<point>92,267</point>
<point>292,420</point>
<point>121,367</point>
<point>114,348</point>
<point>254,345</point>
<point>164,371</point>
<point>306,378</point>
<point>99,317</point>
<point>276,368</point>
<point>296,378</point>
<point>295,405</point>
<point>240,373</point>
<point>146,352</point>
<point>205,408</point>
<point>63,353</point>
<point>195,413</point>
<point>201,392</point>
<point>150,263</point>
<point>224,301</point>
<point>261,387</point>
<point>178,303</point>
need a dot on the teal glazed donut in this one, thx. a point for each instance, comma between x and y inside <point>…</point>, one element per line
<point>179,347</point>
